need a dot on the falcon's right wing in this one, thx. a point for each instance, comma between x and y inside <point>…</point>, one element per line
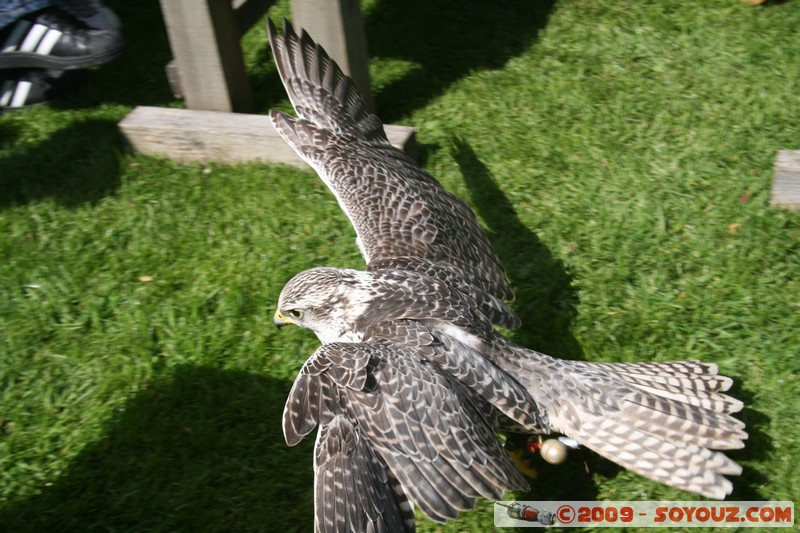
<point>403,217</point>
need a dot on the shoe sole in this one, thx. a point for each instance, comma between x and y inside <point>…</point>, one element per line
<point>32,60</point>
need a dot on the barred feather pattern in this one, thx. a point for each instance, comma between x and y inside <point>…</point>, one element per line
<point>353,488</point>
<point>674,379</point>
<point>412,379</point>
<point>431,433</point>
<point>665,426</point>
<point>662,420</point>
<point>318,89</point>
<point>654,411</point>
<point>401,214</point>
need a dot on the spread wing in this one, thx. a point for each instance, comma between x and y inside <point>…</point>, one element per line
<point>431,432</point>
<point>403,217</point>
<point>353,489</point>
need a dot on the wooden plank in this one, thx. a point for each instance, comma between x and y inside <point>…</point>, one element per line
<point>206,136</point>
<point>204,37</point>
<point>786,181</point>
<point>338,27</point>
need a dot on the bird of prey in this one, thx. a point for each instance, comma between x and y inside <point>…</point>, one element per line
<point>412,380</point>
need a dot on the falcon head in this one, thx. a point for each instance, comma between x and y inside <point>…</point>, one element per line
<point>327,301</point>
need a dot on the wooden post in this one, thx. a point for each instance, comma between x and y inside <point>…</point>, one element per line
<point>204,37</point>
<point>208,71</point>
<point>786,182</point>
<point>337,25</point>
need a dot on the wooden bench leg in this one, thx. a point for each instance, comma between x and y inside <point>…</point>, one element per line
<point>338,26</point>
<point>204,37</point>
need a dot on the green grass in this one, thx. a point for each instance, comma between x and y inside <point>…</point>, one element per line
<point>619,154</point>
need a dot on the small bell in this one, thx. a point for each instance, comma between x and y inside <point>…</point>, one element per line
<point>553,451</point>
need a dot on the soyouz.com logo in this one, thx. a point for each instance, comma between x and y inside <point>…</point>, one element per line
<point>644,514</point>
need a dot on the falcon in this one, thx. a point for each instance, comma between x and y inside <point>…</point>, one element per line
<point>413,381</point>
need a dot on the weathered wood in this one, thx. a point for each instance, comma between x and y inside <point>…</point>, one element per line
<point>204,37</point>
<point>208,72</point>
<point>786,181</point>
<point>338,27</point>
<point>174,79</point>
<point>247,13</point>
<point>195,135</point>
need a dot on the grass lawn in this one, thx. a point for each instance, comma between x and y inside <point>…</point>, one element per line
<point>619,154</point>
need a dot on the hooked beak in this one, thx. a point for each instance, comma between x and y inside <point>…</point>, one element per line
<point>279,320</point>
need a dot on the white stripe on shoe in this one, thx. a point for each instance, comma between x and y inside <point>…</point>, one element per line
<point>6,93</point>
<point>32,39</point>
<point>21,94</point>
<point>49,41</point>
<point>16,35</point>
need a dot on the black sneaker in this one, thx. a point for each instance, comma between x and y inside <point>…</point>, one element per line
<point>24,88</point>
<point>52,39</point>
<point>93,13</point>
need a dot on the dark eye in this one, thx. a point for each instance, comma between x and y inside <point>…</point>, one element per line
<point>296,313</point>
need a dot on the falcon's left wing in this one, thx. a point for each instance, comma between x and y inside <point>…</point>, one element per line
<point>353,489</point>
<point>432,433</point>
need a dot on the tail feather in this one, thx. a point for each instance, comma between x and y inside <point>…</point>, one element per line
<point>685,466</point>
<point>684,423</point>
<point>707,400</point>
<point>661,420</point>
<point>689,382</point>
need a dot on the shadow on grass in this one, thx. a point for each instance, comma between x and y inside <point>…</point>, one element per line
<point>546,299</point>
<point>8,133</point>
<point>546,303</point>
<point>203,451</point>
<point>75,165</point>
<point>752,485</point>
<point>447,39</point>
